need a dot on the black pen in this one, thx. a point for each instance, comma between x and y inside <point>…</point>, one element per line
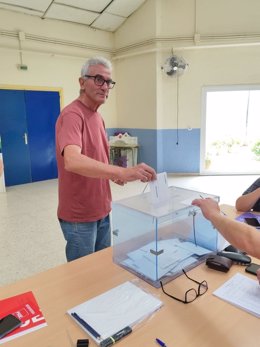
<point>116,337</point>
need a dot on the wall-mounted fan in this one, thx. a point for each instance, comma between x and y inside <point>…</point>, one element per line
<point>174,66</point>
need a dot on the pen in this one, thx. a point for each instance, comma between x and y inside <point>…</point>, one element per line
<point>86,325</point>
<point>116,337</point>
<point>160,342</point>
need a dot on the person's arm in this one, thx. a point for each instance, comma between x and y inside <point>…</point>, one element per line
<point>239,234</point>
<point>247,201</point>
<point>78,163</point>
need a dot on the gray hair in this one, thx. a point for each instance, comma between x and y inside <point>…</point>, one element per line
<point>95,61</point>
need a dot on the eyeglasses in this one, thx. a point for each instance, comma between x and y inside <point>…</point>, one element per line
<point>191,294</point>
<point>99,81</point>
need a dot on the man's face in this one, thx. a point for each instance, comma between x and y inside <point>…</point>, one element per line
<point>94,94</point>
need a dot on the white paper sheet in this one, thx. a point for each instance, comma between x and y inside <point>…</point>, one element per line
<point>242,292</point>
<point>159,189</point>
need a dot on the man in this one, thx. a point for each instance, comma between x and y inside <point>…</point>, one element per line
<point>250,200</point>
<point>83,165</point>
<point>239,234</point>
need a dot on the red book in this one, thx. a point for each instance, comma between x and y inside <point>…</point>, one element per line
<point>25,307</point>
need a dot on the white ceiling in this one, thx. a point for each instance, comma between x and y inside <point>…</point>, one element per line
<point>105,15</point>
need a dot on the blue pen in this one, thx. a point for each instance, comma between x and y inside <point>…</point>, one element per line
<point>160,342</point>
<point>86,325</point>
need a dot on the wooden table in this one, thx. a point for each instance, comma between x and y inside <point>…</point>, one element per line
<point>207,322</point>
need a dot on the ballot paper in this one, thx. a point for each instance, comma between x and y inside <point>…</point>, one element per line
<point>176,255</point>
<point>159,190</point>
<point>123,306</point>
<point>242,292</point>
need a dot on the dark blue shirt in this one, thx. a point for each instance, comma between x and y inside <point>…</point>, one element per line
<point>253,187</point>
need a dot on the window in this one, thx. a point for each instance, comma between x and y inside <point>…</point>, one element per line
<point>230,134</point>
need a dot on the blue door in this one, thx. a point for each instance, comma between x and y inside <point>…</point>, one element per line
<point>14,137</point>
<point>42,109</point>
<point>27,130</point>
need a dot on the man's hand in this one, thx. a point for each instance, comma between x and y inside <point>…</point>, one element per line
<point>120,183</point>
<point>142,172</point>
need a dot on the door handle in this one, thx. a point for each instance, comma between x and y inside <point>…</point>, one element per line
<point>25,138</point>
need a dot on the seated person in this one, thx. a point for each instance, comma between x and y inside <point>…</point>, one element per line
<point>250,199</point>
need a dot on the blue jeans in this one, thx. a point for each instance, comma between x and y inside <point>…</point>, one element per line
<point>85,238</point>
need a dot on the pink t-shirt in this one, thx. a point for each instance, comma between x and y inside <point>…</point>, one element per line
<point>82,199</point>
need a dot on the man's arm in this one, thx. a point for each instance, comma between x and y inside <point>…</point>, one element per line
<point>78,163</point>
<point>239,234</point>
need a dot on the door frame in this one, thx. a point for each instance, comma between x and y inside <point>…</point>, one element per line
<point>36,88</point>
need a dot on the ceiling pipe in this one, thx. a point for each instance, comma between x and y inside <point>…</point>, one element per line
<point>183,48</point>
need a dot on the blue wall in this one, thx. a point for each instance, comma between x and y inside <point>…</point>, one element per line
<point>167,149</point>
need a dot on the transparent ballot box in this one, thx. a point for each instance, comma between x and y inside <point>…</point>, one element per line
<point>157,241</point>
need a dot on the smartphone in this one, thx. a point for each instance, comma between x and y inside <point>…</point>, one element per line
<point>253,222</point>
<point>8,324</point>
<point>252,268</point>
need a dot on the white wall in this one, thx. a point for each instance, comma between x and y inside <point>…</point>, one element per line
<point>136,101</point>
<point>139,27</point>
<point>231,26</point>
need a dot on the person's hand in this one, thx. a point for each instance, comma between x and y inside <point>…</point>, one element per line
<point>208,207</point>
<point>120,183</point>
<point>258,275</point>
<point>142,172</point>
